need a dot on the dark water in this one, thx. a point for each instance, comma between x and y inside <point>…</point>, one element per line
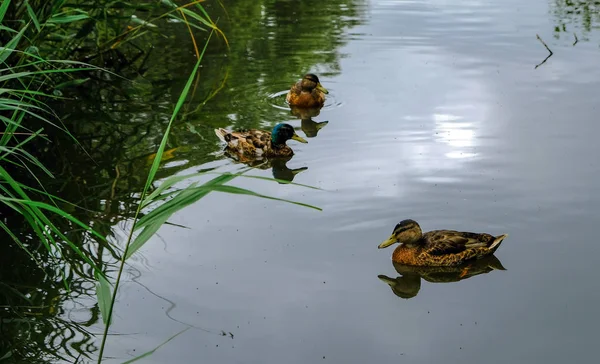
<point>436,113</point>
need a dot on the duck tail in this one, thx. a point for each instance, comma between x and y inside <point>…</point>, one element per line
<point>496,243</point>
<point>221,133</point>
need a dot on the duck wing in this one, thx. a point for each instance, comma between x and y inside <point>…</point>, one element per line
<point>443,242</point>
<point>251,142</point>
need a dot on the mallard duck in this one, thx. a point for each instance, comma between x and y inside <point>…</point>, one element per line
<point>258,143</point>
<point>408,284</point>
<point>307,92</point>
<point>438,247</point>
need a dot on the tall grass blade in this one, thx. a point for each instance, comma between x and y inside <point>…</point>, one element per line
<point>10,46</point>
<point>63,19</point>
<point>178,106</point>
<point>151,175</point>
<point>3,7</point>
<point>276,180</point>
<point>145,235</point>
<point>71,83</point>
<point>243,191</point>
<point>103,292</point>
<point>33,17</point>
<point>184,198</point>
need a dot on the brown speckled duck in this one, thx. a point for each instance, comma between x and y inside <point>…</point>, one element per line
<point>307,92</point>
<point>438,247</point>
<point>255,143</point>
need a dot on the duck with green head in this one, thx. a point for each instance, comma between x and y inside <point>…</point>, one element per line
<point>438,247</point>
<point>254,143</point>
<point>307,93</point>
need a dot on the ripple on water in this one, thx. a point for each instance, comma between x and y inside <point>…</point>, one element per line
<point>277,99</point>
<point>260,100</point>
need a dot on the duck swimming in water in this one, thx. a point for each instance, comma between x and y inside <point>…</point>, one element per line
<point>308,92</point>
<point>259,143</point>
<point>438,247</point>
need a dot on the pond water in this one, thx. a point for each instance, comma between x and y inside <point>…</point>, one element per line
<point>436,112</point>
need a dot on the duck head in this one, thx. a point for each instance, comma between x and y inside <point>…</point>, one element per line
<point>406,232</point>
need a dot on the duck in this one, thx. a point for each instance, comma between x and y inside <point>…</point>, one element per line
<point>254,143</point>
<point>439,247</point>
<point>307,93</point>
<point>408,284</point>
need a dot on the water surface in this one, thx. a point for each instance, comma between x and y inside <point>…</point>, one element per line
<point>443,119</point>
<point>437,113</point>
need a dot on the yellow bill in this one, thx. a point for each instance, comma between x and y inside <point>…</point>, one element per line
<point>391,240</point>
<point>321,88</point>
<point>298,138</point>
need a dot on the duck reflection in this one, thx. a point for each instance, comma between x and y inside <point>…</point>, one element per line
<point>278,166</point>
<point>408,284</point>
<point>308,125</point>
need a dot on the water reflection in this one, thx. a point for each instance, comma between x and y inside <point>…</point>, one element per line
<point>278,166</point>
<point>575,17</point>
<point>40,320</point>
<point>408,284</point>
<point>309,126</point>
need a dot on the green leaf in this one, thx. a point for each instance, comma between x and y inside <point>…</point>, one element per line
<point>169,182</point>
<point>243,191</point>
<point>3,8</point>
<point>7,50</point>
<point>275,180</point>
<point>103,292</point>
<point>148,353</point>
<point>144,236</point>
<point>71,83</point>
<point>8,353</point>
<point>33,17</point>
<point>183,199</point>
<point>63,19</point>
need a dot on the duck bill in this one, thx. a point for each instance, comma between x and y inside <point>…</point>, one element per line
<point>321,88</point>
<point>391,240</point>
<point>298,138</point>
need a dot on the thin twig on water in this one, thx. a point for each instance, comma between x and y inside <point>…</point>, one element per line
<point>549,51</point>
